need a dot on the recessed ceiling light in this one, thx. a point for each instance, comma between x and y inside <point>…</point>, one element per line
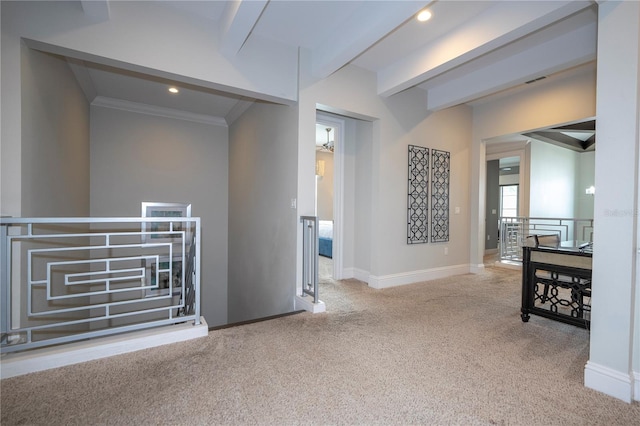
<point>173,90</point>
<point>424,15</point>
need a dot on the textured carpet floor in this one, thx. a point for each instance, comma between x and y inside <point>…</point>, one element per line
<point>450,351</point>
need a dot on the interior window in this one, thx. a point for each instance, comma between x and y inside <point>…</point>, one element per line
<point>509,200</point>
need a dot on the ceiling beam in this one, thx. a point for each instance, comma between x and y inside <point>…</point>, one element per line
<point>237,21</point>
<point>96,8</point>
<point>354,38</point>
<point>497,26</point>
<point>568,50</point>
<point>558,139</point>
<point>584,126</point>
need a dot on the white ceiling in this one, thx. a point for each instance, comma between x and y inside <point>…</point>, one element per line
<point>447,15</point>
<point>467,51</point>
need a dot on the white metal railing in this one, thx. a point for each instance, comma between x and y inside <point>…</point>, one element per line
<point>68,279</point>
<point>310,256</point>
<point>515,230</point>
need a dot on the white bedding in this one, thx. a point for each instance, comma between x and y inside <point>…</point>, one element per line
<point>325,228</point>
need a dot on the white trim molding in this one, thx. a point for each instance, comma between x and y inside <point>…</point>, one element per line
<point>123,105</point>
<point>306,304</point>
<point>476,269</point>
<point>411,277</point>
<point>609,381</point>
<point>355,273</point>
<point>348,273</point>
<point>19,363</point>
<point>636,385</point>
<point>361,275</point>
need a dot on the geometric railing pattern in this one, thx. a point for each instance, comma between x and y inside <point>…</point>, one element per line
<point>68,279</point>
<point>516,232</point>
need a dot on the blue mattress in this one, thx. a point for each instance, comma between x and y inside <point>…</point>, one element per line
<point>325,247</point>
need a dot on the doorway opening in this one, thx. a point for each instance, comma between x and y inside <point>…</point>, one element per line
<point>547,176</point>
<point>329,150</point>
<point>503,197</point>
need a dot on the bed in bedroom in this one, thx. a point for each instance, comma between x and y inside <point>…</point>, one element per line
<point>325,238</point>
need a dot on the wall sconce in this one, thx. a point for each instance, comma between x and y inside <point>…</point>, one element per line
<point>591,190</point>
<point>320,168</point>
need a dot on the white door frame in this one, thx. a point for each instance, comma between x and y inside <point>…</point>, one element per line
<point>338,192</point>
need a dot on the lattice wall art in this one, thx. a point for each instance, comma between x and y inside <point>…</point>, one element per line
<point>440,170</point>
<point>418,198</point>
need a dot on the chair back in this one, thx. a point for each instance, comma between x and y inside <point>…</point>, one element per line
<point>551,240</point>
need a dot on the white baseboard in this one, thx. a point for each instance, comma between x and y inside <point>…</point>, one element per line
<point>404,278</point>
<point>19,363</point>
<point>361,275</point>
<point>476,269</point>
<point>609,381</point>
<point>356,273</point>
<point>347,273</point>
<point>506,264</point>
<point>636,385</point>
<point>306,304</point>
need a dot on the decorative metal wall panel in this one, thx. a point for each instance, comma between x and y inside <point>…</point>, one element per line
<point>418,199</point>
<point>440,165</point>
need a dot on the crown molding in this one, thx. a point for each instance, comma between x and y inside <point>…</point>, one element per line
<point>120,104</point>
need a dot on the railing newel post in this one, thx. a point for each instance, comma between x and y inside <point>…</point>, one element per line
<point>5,280</point>
<point>310,257</point>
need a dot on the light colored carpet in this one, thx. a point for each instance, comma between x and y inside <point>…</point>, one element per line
<point>325,268</point>
<point>450,351</point>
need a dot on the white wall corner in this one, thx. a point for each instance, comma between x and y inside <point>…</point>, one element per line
<point>306,304</point>
<point>348,273</point>
<point>361,275</point>
<point>374,282</point>
<point>394,280</point>
<point>476,269</point>
<point>609,381</point>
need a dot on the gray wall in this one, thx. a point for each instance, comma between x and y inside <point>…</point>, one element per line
<point>363,203</point>
<point>559,178</point>
<point>493,204</point>
<point>55,138</point>
<point>353,189</point>
<point>138,157</point>
<point>262,225</point>
<point>55,165</point>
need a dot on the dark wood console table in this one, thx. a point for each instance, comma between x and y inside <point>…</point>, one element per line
<point>556,284</point>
